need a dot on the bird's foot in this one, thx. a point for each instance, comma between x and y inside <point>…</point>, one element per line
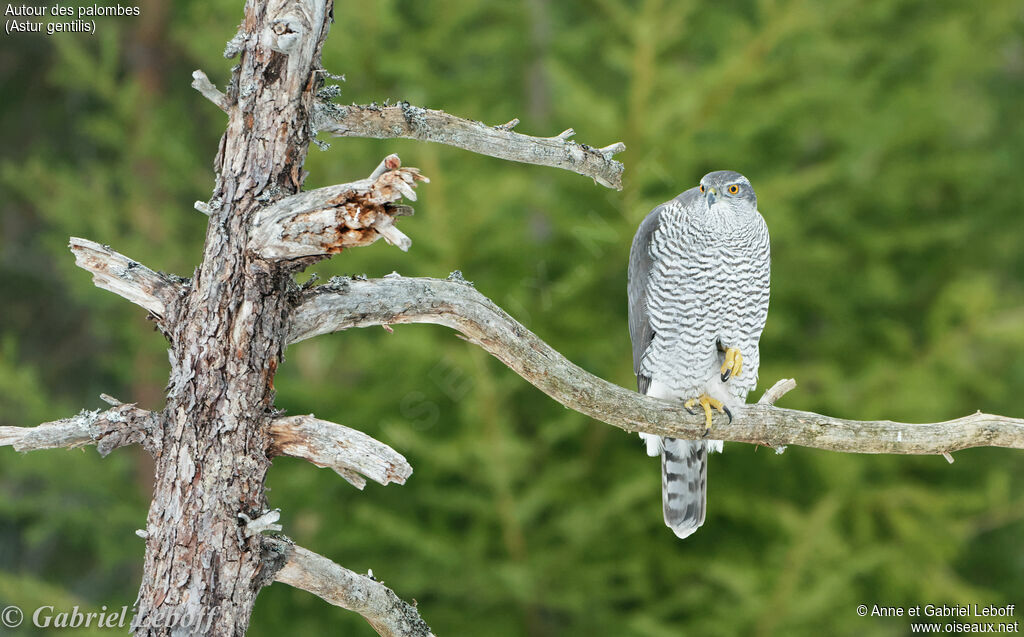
<point>707,403</point>
<point>733,364</point>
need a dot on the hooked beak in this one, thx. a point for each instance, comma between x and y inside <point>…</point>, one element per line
<point>712,196</point>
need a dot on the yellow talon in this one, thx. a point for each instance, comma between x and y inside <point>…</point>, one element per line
<point>707,403</point>
<point>733,364</point>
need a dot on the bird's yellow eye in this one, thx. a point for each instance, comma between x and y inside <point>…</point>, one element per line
<point>733,189</point>
<point>702,187</point>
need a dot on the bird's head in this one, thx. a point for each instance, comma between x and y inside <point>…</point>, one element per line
<point>730,189</point>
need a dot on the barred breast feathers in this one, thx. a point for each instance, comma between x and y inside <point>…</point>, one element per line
<point>708,287</point>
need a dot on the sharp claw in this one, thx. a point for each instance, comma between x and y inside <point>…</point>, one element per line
<point>706,432</point>
<point>733,364</point>
<point>727,413</point>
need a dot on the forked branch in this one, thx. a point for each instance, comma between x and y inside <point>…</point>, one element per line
<point>412,122</point>
<point>461,307</point>
<point>378,604</point>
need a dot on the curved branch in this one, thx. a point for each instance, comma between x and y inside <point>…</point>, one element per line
<point>378,604</point>
<point>412,122</point>
<point>455,304</point>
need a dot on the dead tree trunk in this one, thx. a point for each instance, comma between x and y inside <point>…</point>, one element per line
<point>206,557</point>
<point>226,340</point>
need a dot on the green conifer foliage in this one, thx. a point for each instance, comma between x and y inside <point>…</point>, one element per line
<point>885,141</point>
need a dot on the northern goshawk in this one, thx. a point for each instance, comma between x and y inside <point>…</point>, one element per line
<point>698,300</point>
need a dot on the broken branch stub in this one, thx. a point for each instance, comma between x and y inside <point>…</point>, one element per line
<point>328,220</point>
<point>351,453</point>
<point>126,277</point>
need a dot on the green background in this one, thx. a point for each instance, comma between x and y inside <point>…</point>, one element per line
<point>885,141</point>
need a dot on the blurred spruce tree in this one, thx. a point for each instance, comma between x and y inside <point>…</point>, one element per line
<point>884,140</point>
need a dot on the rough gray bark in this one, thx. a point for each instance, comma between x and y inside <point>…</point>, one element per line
<point>456,304</point>
<point>226,341</point>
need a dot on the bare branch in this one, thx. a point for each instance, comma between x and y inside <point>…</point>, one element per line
<point>459,306</point>
<point>203,84</point>
<point>328,220</point>
<point>777,391</point>
<point>346,451</point>
<point>116,427</point>
<point>412,122</point>
<point>125,277</point>
<point>378,604</point>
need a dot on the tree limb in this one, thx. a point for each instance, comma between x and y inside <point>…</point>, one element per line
<point>207,89</point>
<point>378,604</point>
<point>346,451</point>
<point>351,453</point>
<point>126,277</point>
<point>328,220</point>
<point>777,391</point>
<point>118,426</point>
<point>454,304</point>
<point>412,122</point>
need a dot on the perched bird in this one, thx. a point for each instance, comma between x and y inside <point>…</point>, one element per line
<point>698,300</point>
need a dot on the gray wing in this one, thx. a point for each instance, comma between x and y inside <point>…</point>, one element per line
<point>640,264</point>
<point>683,462</point>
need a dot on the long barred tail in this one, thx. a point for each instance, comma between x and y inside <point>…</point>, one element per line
<point>684,483</point>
